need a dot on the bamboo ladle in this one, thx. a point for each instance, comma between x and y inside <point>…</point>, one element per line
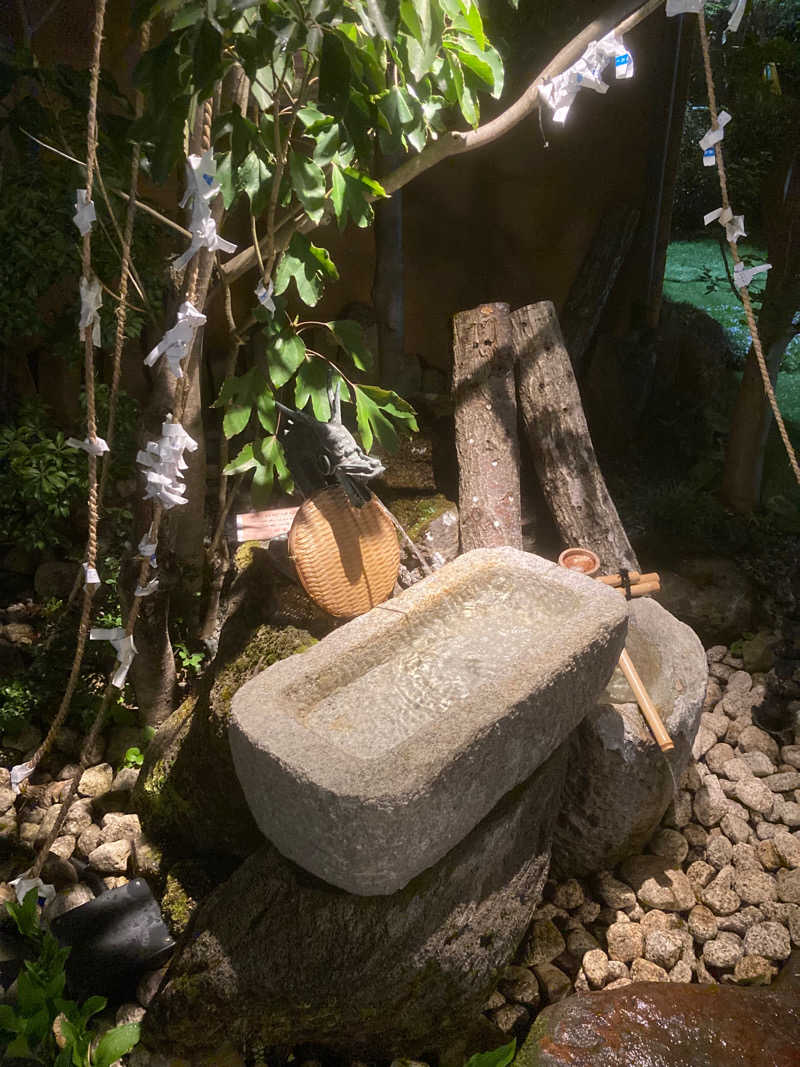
<point>586,562</point>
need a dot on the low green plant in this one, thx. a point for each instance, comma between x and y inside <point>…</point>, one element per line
<point>134,757</point>
<point>17,703</point>
<point>41,479</point>
<point>497,1057</point>
<point>190,662</point>
<point>45,1027</point>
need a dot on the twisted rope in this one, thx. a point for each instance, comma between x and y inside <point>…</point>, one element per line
<point>748,306</point>
<point>190,287</point>
<point>91,419</point>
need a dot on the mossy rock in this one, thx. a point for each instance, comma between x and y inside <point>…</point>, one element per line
<point>187,796</point>
<point>186,886</point>
<point>416,513</point>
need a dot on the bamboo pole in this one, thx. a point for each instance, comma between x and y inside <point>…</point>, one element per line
<point>649,710</point>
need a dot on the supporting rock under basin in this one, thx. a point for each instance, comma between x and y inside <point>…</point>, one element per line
<point>620,783</point>
<point>369,757</point>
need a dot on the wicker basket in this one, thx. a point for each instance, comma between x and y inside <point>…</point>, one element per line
<point>347,558</point>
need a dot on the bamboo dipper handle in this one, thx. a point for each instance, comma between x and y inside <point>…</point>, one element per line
<point>649,710</point>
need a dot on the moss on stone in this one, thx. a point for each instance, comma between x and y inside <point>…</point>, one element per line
<point>416,513</point>
<point>187,795</point>
<point>266,646</point>
<point>187,883</point>
<point>244,554</point>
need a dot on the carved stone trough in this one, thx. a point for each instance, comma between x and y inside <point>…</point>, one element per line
<point>367,758</point>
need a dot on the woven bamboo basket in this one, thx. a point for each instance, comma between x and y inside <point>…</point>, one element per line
<point>347,558</point>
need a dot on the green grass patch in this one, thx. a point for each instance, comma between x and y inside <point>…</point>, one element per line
<point>695,274</point>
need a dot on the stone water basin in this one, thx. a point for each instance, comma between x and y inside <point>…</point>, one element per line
<point>368,757</point>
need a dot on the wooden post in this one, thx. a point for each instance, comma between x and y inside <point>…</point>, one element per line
<point>487,445</point>
<point>595,280</point>
<point>562,449</point>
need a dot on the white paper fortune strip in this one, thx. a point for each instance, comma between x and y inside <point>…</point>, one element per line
<point>147,549</point>
<point>734,224</point>
<point>586,73</point>
<point>684,7</point>
<point>91,579</point>
<point>737,12</point>
<point>711,138</point>
<point>124,647</point>
<point>91,302</point>
<point>176,342</point>
<point>146,590</point>
<point>22,886</point>
<point>95,448</point>
<point>163,462</point>
<point>742,276</point>
<point>264,296</point>
<point>201,188</point>
<point>85,214</point>
<point>19,774</point>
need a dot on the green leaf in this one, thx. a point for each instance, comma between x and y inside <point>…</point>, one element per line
<point>262,87</point>
<point>116,1043</point>
<point>350,336</point>
<point>253,177</point>
<point>312,383</point>
<point>373,404</point>
<point>327,142</point>
<point>225,179</point>
<point>20,1049</point>
<point>244,135</point>
<point>485,62</point>
<point>308,182</point>
<point>499,1057</point>
<point>284,357</point>
<point>314,120</point>
<point>245,461</point>
<point>309,265</point>
<point>262,485</point>
<point>363,405</point>
<point>350,193</point>
<point>9,1019</point>
<point>266,411</point>
<point>235,419</point>
<point>393,404</point>
<point>271,452</point>
<point>206,57</point>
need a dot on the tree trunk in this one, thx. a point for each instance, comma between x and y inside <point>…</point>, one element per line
<point>387,287</point>
<point>595,280</point>
<point>487,446</point>
<point>752,415</point>
<point>562,449</point>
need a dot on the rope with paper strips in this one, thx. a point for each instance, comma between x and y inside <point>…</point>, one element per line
<point>163,463</point>
<point>93,445</point>
<point>733,224</point>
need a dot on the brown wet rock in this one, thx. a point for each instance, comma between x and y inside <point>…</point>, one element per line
<point>667,1024</point>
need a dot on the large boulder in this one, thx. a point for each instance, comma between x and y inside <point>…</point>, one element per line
<point>371,756</point>
<point>669,1024</point>
<point>620,782</point>
<point>276,956</point>
<point>187,794</point>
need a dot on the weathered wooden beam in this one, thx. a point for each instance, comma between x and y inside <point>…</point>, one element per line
<point>560,443</point>
<point>487,445</point>
<point>592,287</point>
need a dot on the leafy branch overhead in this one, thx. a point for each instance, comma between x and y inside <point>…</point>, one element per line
<point>327,83</point>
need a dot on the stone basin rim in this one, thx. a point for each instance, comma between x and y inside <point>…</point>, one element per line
<point>388,774</point>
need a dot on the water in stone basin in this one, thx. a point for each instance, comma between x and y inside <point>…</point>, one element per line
<point>411,690</point>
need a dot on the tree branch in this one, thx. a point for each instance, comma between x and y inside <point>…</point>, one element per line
<point>622,18</point>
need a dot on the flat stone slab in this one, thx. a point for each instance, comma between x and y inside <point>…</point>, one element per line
<point>368,757</point>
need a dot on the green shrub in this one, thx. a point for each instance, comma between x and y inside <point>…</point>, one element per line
<point>45,1027</point>
<point>41,478</point>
